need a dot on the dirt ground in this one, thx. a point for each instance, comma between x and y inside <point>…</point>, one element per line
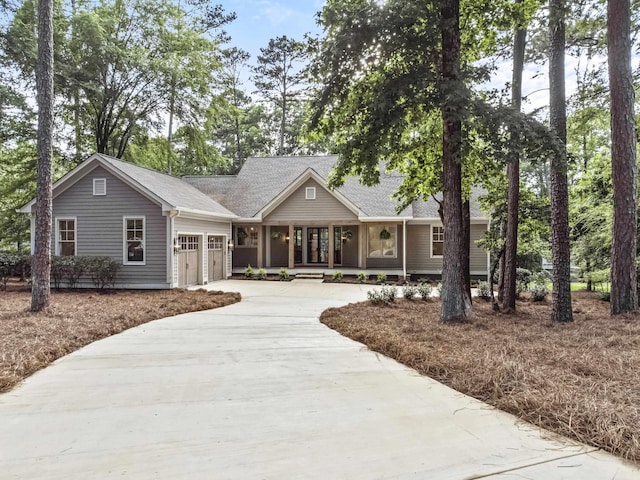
<point>31,341</point>
<point>581,380</point>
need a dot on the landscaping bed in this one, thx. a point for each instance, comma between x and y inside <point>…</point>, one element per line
<point>31,341</point>
<point>581,380</point>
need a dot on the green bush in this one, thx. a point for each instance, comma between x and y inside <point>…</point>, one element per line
<point>102,270</point>
<point>484,290</point>
<point>362,277</point>
<point>284,275</point>
<point>385,296</point>
<point>249,272</point>
<point>262,274</point>
<point>12,265</point>
<point>381,278</point>
<point>523,275</point>
<point>409,292</point>
<point>337,275</point>
<point>68,269</point>
<point>424,290</point>
<point>538,292</point>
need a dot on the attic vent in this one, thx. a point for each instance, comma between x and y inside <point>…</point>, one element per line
<point>310,193</point>
<point>99,186</point>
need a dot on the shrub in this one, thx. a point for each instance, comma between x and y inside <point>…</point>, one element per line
<point>484,290</point>
<point>102,270</point>
<point>439,288</point>
<point>337,275</point>
<point>12,264</point>
<point>262,274</point>
<point>381,278</point>
<point>386,295</point>
<point>409,291</point>
<point>249,272</point>
<point>68,269</point>
<point>424,290</point>
<point>284,275</point>
<point>539,292</point>
<point>362,277</point>
<point>523,275</point>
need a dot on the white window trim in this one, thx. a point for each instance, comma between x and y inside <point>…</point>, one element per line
<point>431,242</point>
<point>95,182</point>
<point>75,234</point>
<point>395,240</point>
<point>310,193</point>
<point>125,258</point>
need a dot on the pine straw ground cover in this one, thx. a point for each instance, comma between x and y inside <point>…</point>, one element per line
<point>580,380</point>
<point>31,341</point>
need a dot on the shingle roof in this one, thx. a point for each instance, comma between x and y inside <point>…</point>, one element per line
<point>262,179</point>
<point>172,190</point>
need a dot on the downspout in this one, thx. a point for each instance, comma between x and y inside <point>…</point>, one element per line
<point>404,249</point>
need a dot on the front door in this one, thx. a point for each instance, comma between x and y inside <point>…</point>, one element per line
<point>317,245</point>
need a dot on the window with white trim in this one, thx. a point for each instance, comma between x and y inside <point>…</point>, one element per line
<point>247,237</point>
<point>99,186</point>
<point>437,240</point>
<point>383,241</point>
<point>310,193</point>
<point>134,240</point>
<point>66,236</point>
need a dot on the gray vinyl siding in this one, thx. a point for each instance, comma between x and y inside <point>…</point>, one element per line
<point>382,263</point>
<point>297,209</point>
<point>350,247</point>
<point>201,228</point>
<point>100,229</point>
<point>419,250</point>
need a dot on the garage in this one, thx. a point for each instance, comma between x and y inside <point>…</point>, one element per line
<point>216,257</point>
<point>188,260</point>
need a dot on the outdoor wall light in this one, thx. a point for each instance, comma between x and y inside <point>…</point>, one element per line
<point>287,238</point>
<point>230,244</point>
<point>176,245</point>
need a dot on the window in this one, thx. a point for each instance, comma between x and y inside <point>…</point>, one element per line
<point>189,243</point>
<point>310,193</point>
<point>437,241</point>
<point>215,243</point>
<point>247,237</point>
<point>382,241</point>
<point>99,186</point>
<point>134,241</point>
<point>66,236</point>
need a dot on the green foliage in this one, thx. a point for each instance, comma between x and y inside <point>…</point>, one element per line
<point>249,272</point>
<point>484,290</point>
<point>362,277</point>
<point>538,292</point>
<point>381,278</point>
<point>103,271</point>
<point>262,274</point>
<point>424,290</point>
<point>383,296</point>
<point>68,270</point>
<point>284,274</point>
<point>409,291</point>
<point>12,265</point>
<point>337,275</point>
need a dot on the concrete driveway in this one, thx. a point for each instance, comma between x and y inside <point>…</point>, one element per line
<point>262,390</point>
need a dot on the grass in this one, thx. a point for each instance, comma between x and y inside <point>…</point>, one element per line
<point>579,380</point>
<point>31,341</point>
<point>577,286</point>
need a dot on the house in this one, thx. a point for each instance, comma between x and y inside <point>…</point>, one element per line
<point>275,213</point>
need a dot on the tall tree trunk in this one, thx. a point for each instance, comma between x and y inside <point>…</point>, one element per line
<point>513,177</point>
<point>561,253</point>
<point>455,303</point>
<point>466,257</point>
<point>283,119</point>
<point>624,295</point>
<point>172,106</point>
<point>41,268</point>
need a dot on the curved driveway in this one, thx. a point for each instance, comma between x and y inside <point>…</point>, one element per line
<point>262,390</point>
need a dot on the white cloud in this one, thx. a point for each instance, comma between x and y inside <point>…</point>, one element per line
<point>275,13</point>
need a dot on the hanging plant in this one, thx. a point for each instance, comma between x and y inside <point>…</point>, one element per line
<point>276,235</point>
<point>242,233</point>
<point>385,234</point>
<point>346,235</point>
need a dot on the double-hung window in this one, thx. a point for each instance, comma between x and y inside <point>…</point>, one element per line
<point>65,236</point>
<point>437,240</point>
<point>134,241</point>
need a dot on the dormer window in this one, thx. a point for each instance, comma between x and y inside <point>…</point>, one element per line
<point>310,193</point>
<point>99,186</point>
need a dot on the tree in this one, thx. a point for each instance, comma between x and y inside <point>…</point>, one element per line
<point>41,264</point>
<point>279,78</point>
<point>624,296</point>
<point>561,254</point>
<point>513,176</point>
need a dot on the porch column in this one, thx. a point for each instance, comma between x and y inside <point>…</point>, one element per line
<point>331,246</point>
<point>268,242</point>
<point>362,244</point>
<point>260,259</point>
<point>291,243</point>
<point>404,249</point>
